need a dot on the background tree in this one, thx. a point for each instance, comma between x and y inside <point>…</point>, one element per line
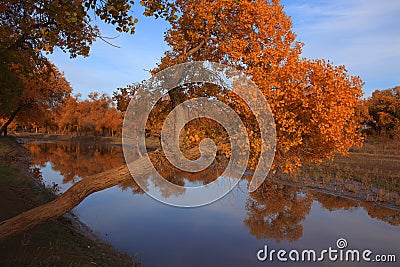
<point>382,114</point>
<point>96,115</point>
<point>43,89</point>
<point>122,96</point>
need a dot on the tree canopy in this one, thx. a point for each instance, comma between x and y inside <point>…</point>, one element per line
<point>43,25</point>
<point>381,113</point>
<point>313,101</point>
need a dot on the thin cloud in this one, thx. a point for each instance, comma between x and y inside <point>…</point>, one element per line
<point>362,35</point>
<point>109,67</point>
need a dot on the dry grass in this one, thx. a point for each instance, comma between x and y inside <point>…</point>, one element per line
<point>371,173</point>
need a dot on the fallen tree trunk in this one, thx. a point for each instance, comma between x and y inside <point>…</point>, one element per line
<point>79,191</point>
<point>71,198</point>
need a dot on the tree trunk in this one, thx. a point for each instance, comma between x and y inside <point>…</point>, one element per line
<point>177,98</point>
<point>71,198</point>
<point>176,95</point>
<point>3,128</point>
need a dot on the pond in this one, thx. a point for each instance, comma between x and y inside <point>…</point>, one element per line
<point>228,232</point>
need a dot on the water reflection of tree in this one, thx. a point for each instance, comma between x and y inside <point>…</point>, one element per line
<point>392,217</point>
<point>331,203</point>
<point>273,211</point>
<point>175,176</point>
<point>74,160</point>
<point>276,210</point>
<point>184,178</point>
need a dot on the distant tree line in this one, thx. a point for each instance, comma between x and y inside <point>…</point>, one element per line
<point>96,115</point>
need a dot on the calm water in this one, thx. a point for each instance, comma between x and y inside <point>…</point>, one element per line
<point>228,232</point>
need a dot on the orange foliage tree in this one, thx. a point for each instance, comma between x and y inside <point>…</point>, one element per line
<point>96,115</point>
<point>382,113</point>
<point>43,89</point>
<point>313,101</point>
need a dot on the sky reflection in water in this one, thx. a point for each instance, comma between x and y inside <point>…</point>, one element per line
<point>228,232</point>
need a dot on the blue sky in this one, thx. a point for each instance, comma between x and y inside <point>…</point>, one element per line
<point>363,35</point>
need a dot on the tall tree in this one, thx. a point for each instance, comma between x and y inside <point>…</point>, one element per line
<point>313,101</point>
<point>123,95</point>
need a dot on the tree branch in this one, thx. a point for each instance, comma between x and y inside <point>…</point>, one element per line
<point>186,54</point>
